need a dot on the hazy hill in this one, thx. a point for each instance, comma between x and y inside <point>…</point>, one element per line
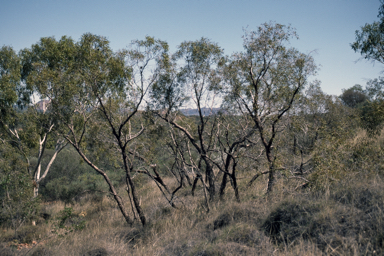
<point>194,112</point>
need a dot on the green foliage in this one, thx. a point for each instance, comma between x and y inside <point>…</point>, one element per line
<point>369,41</point>
<point>368,103</point>
<point>317,117</point>
<point>372,117</point>
<point>370,44</point>
<point>70,179</point>
<point>278,72</point>
<point>327,223</point>
<point>266,81</point>
<point>372,111</point>
<point>374,89</point>
<point>189,76</point>
<point>366,154</point>
<point>18,207</point>
<point>336,160</point>
<point>12,90</point>
<point>64,215</point>
<point>354,96</point>
<point>67,221</point>
<point>290,220</point>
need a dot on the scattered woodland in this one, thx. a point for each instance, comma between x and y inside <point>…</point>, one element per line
<point>98,155</point>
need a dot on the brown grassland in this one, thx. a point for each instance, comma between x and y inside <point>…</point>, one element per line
<point>339,213</point>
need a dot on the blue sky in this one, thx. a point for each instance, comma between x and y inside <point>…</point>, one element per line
<point>325,27</point>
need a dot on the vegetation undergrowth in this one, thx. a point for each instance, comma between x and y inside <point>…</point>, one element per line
<point>344,218</point>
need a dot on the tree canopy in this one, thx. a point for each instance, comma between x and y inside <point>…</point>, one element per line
<point>370,39</point>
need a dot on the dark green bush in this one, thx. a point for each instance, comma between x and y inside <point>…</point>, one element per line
<point>371,115</point>
<point>291,220</point>
<point>352,216</point>
<point>70,179</point>
<point>67,222</point>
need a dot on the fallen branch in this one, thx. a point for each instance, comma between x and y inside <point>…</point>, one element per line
<point>255,177</point>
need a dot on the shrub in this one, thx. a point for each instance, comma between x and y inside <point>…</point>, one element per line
<point>291,220</point>
<point>69,179</point>
<point>67,222</point>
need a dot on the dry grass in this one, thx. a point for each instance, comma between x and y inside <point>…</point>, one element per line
<point>346,218</point>
<point>277,225</point>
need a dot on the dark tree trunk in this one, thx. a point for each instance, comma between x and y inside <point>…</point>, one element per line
<point>211,179</point>
<point>133,189</point>
<point>271,177</point>
<point>194,185</point>
<point>234,181</point>
<point>223,185</point>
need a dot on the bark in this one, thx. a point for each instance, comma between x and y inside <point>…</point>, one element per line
<point>133,189</point>
<point>271,180</point>
<point>201,149</point>
<point>136,200</point>
<point>255,177</point>
<point>194,185</point>
<point>211,179</point>
<point>205,195</point>
<point>59,146</point>
<point>234,181</point>
<point>236,188</point>
<point>271,177</point>
<point>112,189</point>
<point>117,133</point>
<point>223,186</point>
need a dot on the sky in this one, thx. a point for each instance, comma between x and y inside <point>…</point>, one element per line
<point>326,27</point>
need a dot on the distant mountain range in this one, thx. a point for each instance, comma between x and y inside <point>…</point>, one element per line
<point>194,112</point>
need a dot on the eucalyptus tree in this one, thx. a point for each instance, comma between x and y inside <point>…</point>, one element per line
<point>306,119</point>
<point>317,125</point>
<point>39,130</point>
<point>10,81</point>
<point>31,129</point>
<point>190,79</point>
<point>354,96</point>
<point>369,39</point>
<point>120,95</point>
<point>308,126</point>
<point>53,68</point>
<point>265,80</point>
<point>371,111</point>
<point>368,103</point>
<point>370,44</point>
<point>22,124</point>
<point>12,93</point>
<point>102,100</point>
<point>235,136</point>
<point>17,204</point>
<point>44,64</point>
